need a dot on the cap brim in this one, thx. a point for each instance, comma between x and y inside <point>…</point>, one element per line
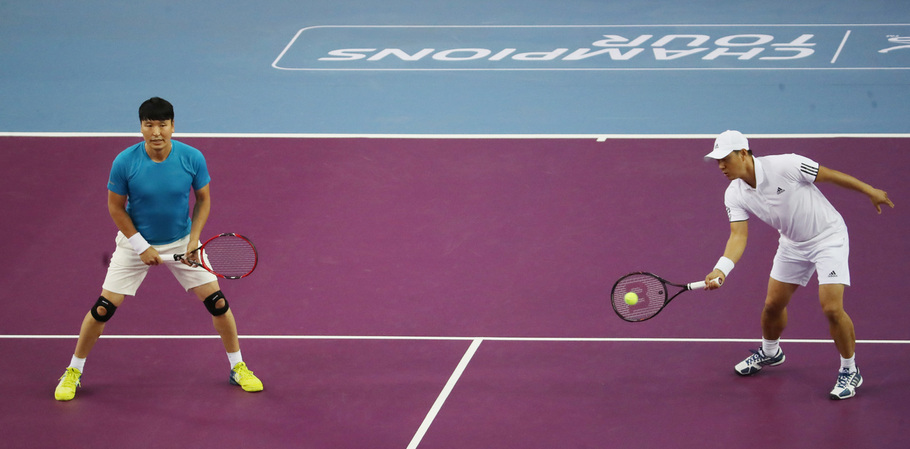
<point>718,154</point>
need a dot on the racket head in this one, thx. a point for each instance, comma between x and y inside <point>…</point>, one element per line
<point>229,256</point>
<point>652,296</point>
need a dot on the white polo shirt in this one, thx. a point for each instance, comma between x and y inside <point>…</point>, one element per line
<point>785,197</point>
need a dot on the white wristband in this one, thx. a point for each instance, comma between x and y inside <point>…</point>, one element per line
<point>139,244</point>
<point>725,265</point>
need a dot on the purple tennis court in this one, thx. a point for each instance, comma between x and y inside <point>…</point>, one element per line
<point>442,195</point>
<point>447,293</point>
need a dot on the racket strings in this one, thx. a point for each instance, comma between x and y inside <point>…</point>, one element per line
<point>230,256</point>
<point>652,295</point>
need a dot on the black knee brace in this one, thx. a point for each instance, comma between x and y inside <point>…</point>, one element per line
<point>211,303</point>
<point>103,305</point>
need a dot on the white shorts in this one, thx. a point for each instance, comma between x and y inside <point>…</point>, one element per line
<point>794,263</point>
<point>126,271</point>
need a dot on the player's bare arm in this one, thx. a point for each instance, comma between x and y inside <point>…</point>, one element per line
<point>736,246</point>
<point>201,210</point>
<point>877,196</point>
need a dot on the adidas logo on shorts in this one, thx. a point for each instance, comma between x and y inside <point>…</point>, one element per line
<point>832,274</point>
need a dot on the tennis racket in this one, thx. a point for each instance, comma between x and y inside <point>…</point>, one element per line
<point>653,295</point>
<point>228,256</point>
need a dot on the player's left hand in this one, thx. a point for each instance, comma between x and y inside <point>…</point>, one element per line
<point>192,256</point>
<point>880,197</point>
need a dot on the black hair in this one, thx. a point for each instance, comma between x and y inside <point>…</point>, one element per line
<point>156,108</point>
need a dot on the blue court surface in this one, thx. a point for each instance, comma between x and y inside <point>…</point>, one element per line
<point>505,67</point>
<point>442,195</point>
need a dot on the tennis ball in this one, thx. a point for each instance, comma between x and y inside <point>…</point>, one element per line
<point>631,298</point>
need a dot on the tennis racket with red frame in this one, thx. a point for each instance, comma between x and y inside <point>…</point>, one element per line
<point>228,256</point>
<point>653,295</point>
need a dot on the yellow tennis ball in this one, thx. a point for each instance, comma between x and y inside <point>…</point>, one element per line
<point>631,298</point>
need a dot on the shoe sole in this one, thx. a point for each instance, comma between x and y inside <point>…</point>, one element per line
<point>64,399</point>
<point>234,382</point>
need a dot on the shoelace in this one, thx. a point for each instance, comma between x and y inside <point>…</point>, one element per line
<point>843,378</point>
<point>759,357</point>
<point>70,379</point>
<point>242,371</point>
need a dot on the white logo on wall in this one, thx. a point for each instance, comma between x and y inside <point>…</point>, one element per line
<point>702,47</point>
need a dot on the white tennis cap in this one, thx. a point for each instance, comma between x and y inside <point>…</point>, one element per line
<point>726,143</point>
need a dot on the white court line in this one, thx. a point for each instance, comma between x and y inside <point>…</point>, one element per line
<point>465,359</point>
<point>444,338</point>
<point>598,137</point>
<point>444,394</point>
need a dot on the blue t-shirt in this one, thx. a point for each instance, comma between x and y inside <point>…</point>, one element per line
<point>159,192</point>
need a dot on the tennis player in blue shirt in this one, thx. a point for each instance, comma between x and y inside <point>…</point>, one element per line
<point>148,199</point>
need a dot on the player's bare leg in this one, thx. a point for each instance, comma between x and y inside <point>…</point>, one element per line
<point>89,333</point>
<point>831,297</point>
<point>773,323</point>
<point>224,324</point>
<point>92,329</point>
<point>774,314</point>
<point>226,327</point>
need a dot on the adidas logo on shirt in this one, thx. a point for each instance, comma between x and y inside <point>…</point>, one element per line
<point>780,190</point>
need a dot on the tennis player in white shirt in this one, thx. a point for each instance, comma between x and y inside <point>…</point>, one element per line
<point>780,190</point>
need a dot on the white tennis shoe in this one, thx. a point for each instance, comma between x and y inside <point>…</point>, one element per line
<point>846,385</point>
<point>755,362</point>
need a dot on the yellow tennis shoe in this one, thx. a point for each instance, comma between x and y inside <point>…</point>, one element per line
<point>66,389</point>
<point>241,375</point>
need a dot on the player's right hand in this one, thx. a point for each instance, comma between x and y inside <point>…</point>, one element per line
<point>714,280</point>
<point>150,256</point>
